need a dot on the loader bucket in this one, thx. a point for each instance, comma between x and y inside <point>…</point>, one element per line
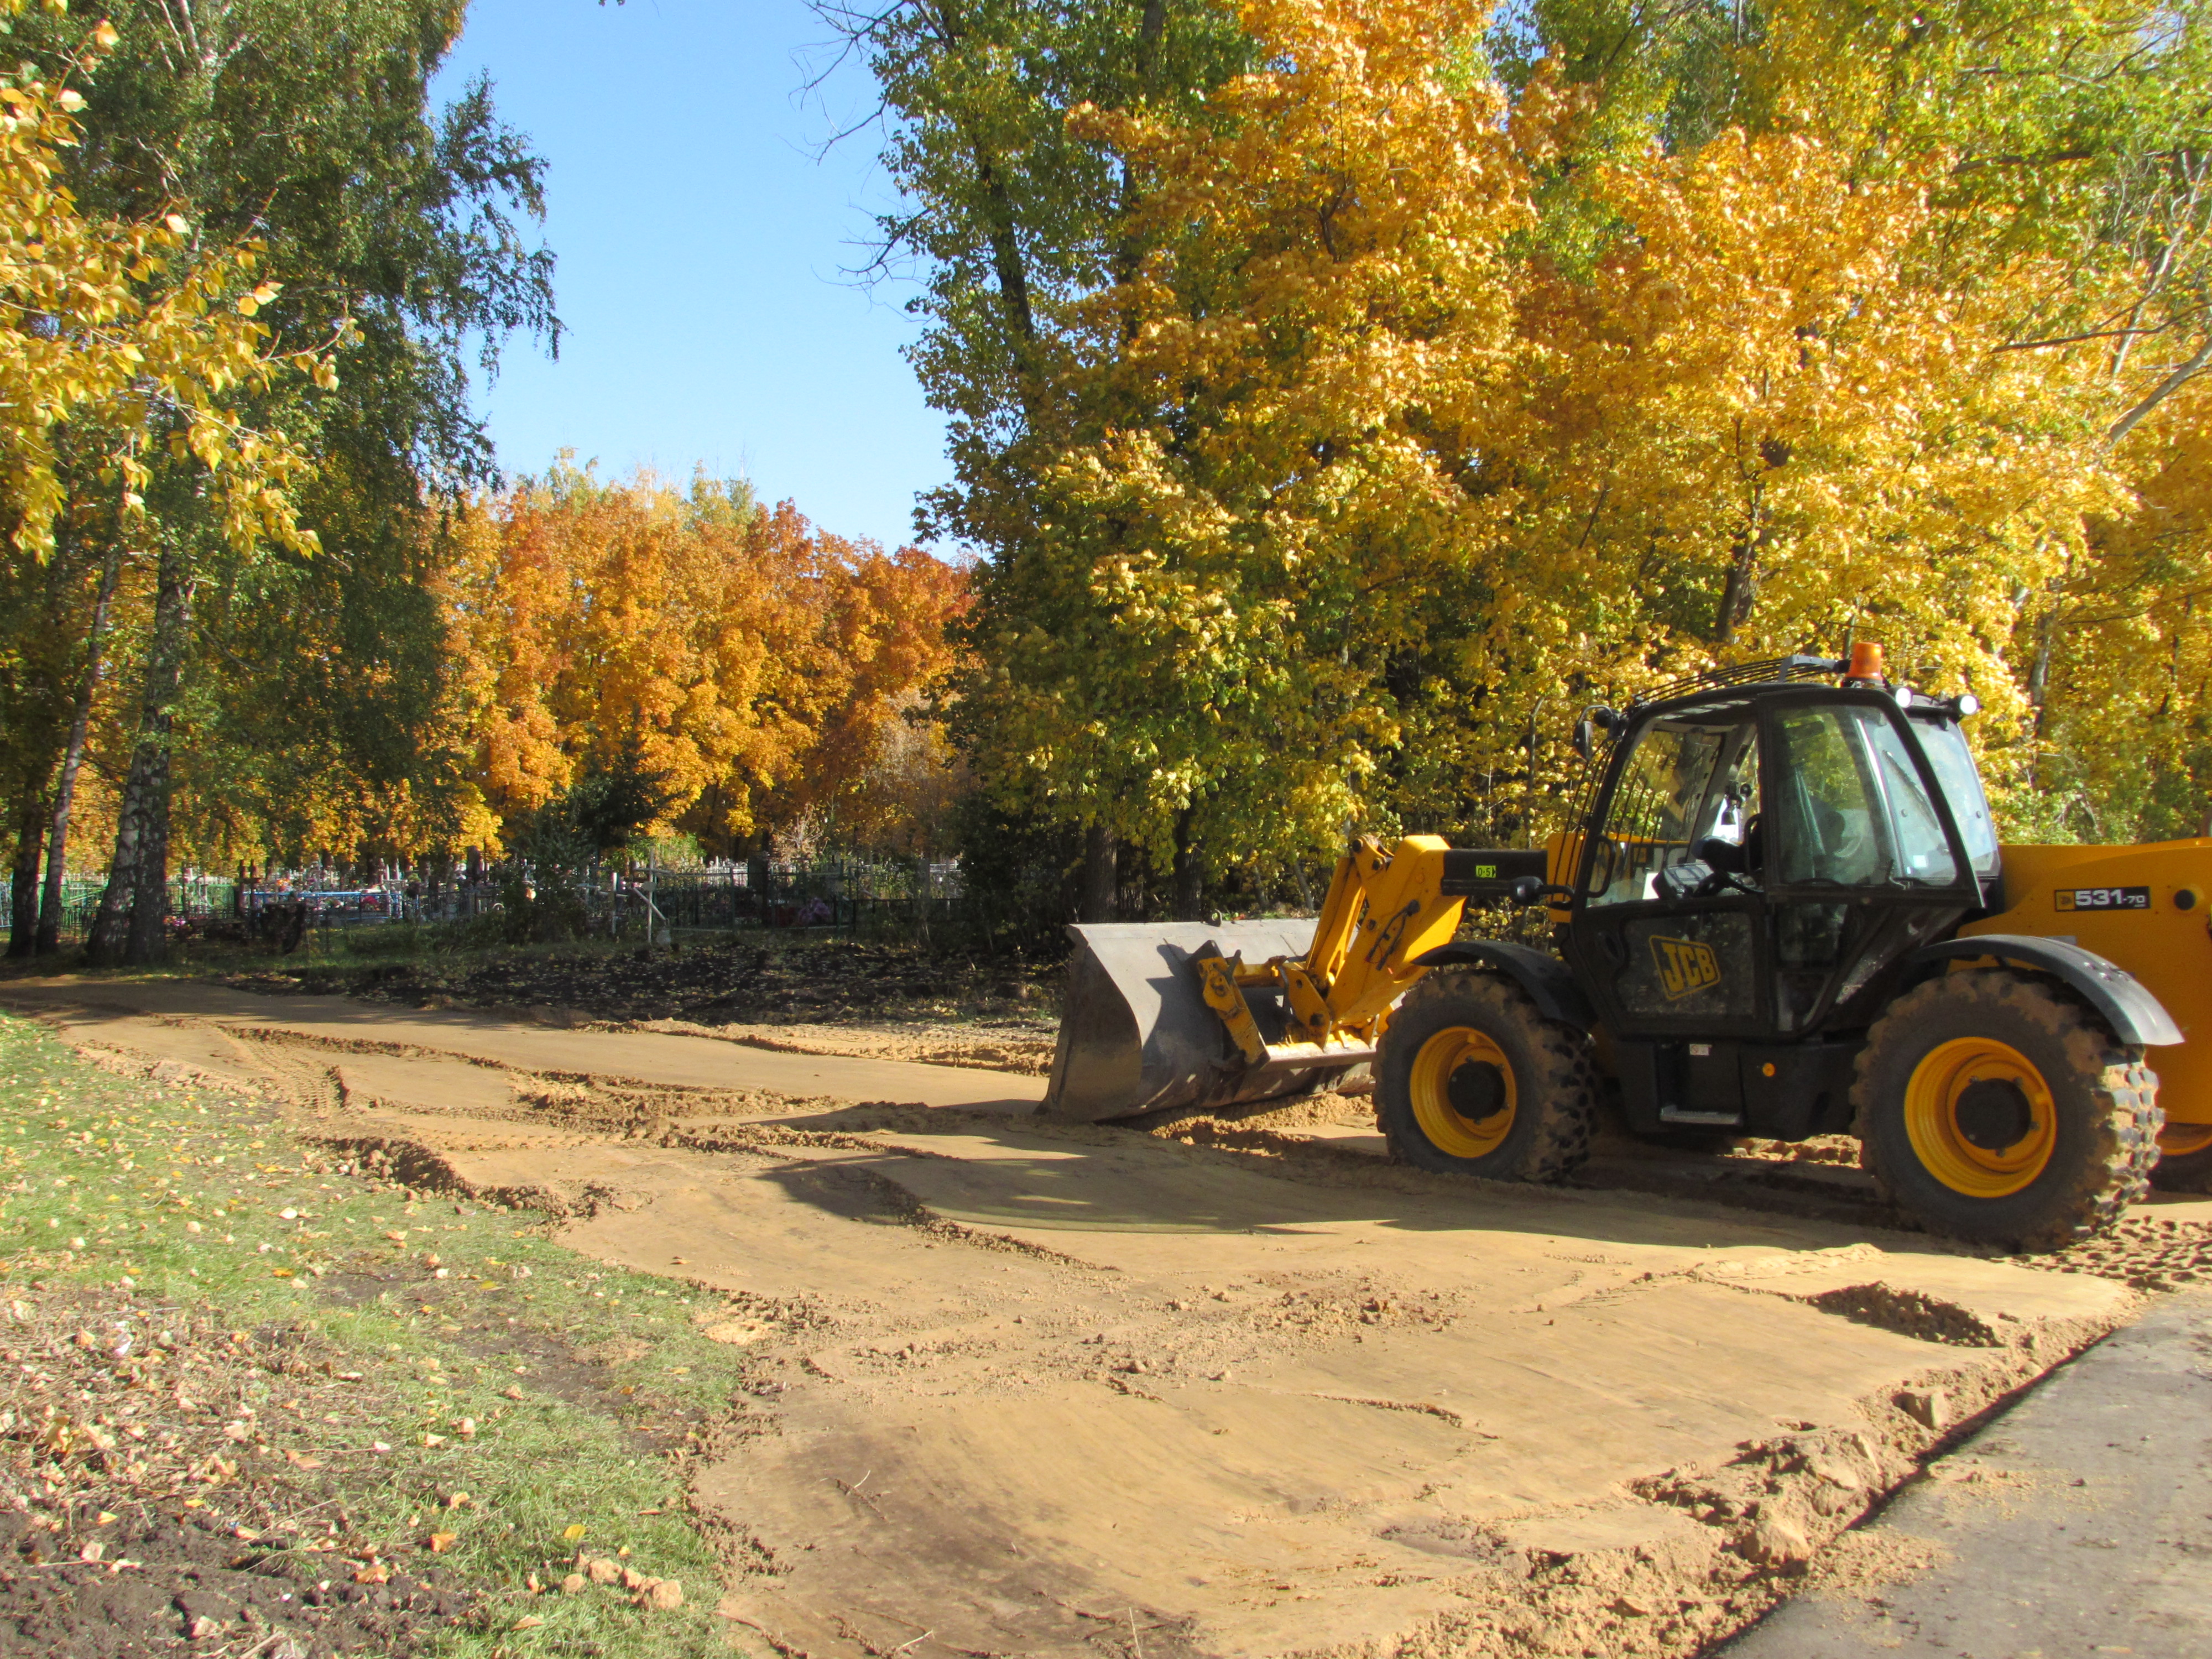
<point>1136,1035</point>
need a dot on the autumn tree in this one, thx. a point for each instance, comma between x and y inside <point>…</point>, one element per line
<point>1437,397</point>
<point>1765,424</point>
<point>755,668</point>
<point>1318,339</point>
<point>2057,158</point>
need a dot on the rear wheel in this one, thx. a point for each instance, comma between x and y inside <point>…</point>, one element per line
<point>1991,1109</point>
<point>2184,1159</point>
<point>1472,1080</point>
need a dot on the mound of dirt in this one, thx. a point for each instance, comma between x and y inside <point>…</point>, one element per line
<point>1021,1046</point>
<point>717,984</point>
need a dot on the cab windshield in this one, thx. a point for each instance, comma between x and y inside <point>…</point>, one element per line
<point>1946,748</point>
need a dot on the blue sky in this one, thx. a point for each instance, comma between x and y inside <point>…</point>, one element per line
<point>702,247</point>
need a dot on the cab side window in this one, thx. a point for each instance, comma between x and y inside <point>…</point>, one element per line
<point>1687,784</point>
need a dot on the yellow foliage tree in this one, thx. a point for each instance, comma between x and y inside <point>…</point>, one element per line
<point>2056,248</point>
<point>1403,432</point>
<point>1771,421</point>
<point>1195,646</point>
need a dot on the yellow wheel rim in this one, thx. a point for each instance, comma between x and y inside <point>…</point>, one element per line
<point>2179,1139</point>
<point>1448,1129</point>
<point>1966,1096</point>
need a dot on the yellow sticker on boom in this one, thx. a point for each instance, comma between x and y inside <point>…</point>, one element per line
<point>1685,967</point>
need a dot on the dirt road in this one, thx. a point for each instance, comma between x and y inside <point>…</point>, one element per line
<point>1019,1387</point>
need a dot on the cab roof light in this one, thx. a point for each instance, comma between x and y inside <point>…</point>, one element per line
<point>1866,664</point>
<point>1920,705</point>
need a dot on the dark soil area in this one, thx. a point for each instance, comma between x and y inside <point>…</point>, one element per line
<point>163,1586</point>
<point>717,983</point>
<point>150,1503</point>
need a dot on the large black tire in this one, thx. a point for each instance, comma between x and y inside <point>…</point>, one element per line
<point>1991,1107</point>
<point>1472,1080</point>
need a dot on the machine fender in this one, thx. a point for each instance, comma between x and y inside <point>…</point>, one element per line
<point>1549,982</point>
<point>2135,1014</point>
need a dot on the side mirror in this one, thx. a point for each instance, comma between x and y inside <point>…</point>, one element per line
<point>1596,719</point>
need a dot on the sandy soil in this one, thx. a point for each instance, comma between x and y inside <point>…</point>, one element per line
<point>1026,1388</point>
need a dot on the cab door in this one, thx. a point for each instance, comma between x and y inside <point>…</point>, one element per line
<point>1687,790</point>
<point>1859,865</point>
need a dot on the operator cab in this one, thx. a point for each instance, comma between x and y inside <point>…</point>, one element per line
<point>1766,849</point>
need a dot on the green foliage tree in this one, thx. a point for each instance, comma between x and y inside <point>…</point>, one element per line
<point>127,351</point>
<point>307,126</point>
<point>1015,218</point>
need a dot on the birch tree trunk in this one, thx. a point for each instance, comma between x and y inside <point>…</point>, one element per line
<point>50,901</point>
<point>134,905</point>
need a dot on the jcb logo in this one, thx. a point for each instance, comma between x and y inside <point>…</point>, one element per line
<point>1685,967</point>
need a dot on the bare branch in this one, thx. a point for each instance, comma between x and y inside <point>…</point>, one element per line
<point>2076,339</point>
<point>2165,388</point>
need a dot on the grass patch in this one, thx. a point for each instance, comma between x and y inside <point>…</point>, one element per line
<point>562,1397</point>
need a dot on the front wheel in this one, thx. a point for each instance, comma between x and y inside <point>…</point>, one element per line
<point>1472,1080</point>
<point>1993,1110</point>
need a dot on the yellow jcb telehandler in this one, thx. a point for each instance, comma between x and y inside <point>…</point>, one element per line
<point>1780,910</point>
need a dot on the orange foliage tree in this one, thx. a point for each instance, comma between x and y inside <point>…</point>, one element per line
<point>759,669</point>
